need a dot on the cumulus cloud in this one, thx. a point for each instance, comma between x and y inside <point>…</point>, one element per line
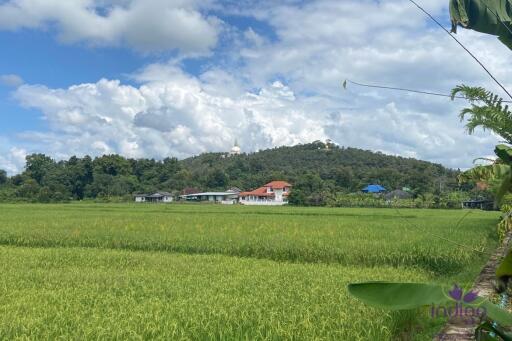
<point>175,117</point>
<point>322,43</point>
<point>12,159</point>
<point>281,90</point>
<point>11,80</point>
<point>145,25</point>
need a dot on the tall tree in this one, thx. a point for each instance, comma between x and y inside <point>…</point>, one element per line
<point>3,177</point>
<point>37,166</point>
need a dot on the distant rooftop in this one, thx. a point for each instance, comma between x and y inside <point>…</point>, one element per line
<point>374,189</point>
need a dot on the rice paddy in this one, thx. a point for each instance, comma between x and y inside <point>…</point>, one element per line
<point>91,271</point>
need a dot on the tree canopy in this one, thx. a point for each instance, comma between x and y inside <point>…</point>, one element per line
<point>316,169</point>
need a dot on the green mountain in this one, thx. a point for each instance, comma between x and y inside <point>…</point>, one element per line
<point>315,169</point>
<point>332,167</point>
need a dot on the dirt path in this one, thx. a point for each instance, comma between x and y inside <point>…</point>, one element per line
<point>458,330</point>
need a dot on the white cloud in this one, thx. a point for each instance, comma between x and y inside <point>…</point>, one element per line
<point>12,160</point>
<point>286,89</point>
<point>145,25</point>
<point>321,43</point>
<point>11,80</point>
<point>175,117</point>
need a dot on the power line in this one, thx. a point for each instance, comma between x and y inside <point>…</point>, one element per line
<point>399,89</point>
<point>404,89</point>
<point>462,45</point>
<point>471,248</point>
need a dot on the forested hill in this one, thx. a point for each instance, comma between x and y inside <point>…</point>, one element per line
<point>327,166</point>
<point>315,169</point>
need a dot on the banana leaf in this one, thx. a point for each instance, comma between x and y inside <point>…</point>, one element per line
<point>490,328</point>
<point>486,16</point>
<point>505,268</point>
<point>398,296</point>
<point>498,176</point>
<point>404,296</point>
<point>504,152</point>
<point>497,314</point>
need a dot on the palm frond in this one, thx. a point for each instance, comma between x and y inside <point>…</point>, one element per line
<point>487,111</point>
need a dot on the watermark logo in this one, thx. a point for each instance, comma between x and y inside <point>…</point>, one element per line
<point>457,294</point>
<point>465,307</point>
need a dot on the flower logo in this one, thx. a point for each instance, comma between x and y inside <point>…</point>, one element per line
<point>457,294</point>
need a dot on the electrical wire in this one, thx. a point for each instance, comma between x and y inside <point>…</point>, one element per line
<point>443,238</point>
<point>462,45</point>
<point>405,90</point>
<point>399,89</point>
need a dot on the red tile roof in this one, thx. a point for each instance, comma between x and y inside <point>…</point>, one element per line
<point>259,192</point>
<point>278,184</point>
<point>262,191</point>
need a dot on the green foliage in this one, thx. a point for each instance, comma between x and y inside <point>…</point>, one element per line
<point>37,166</point>
<point>504,153</point>
<point>112,165</point>
<point>398,296</point>
<point>446,200</point>
<point>402,296</point>
<point>69,271</point>
<point>315,235</point>
<point>216,179</point>
<point>505,225</point>
<point>498,176</point>
<point>490,332</point>
<point>489,115</point>
<point>505,267</point>
<point>317,172</point>
<point>3,177</point>
<point>310,190</point>
<point>100,294</point>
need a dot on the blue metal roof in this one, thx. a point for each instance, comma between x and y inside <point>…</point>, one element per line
<point>374,189</point>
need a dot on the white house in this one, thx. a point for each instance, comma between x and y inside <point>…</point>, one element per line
<point>274,193</point>
<point>158,197</point>
<point>228,197</point>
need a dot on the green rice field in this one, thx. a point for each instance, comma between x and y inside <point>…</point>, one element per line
<point>200,272</point>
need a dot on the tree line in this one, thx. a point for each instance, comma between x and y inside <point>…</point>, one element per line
<point>317,170</point>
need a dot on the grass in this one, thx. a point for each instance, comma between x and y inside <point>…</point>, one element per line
<point>97,294</point>
<point>86,271</point>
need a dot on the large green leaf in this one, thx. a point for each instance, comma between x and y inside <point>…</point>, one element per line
<point>403,296</point>
<point>398,296</point>
<point>487,16</point>
<point>504,152</point>
<point>505,268</point>
<point>498,176</point>
<point>502,182</point>
<point>490,328</point>
<point>497,314</point>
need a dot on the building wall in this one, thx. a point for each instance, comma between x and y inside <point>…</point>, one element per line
<point>263,203</point>
<point>278,194</point>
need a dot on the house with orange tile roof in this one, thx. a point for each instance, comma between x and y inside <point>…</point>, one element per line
<point>274,193</point>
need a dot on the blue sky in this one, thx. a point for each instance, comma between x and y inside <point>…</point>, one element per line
<point>159,78</point>
<point>38,58</point>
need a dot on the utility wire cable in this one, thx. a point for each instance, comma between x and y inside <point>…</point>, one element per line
<point>462,45</point>
<point>399,89</point>
<point>404,89</point>
<point>443,238</point>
